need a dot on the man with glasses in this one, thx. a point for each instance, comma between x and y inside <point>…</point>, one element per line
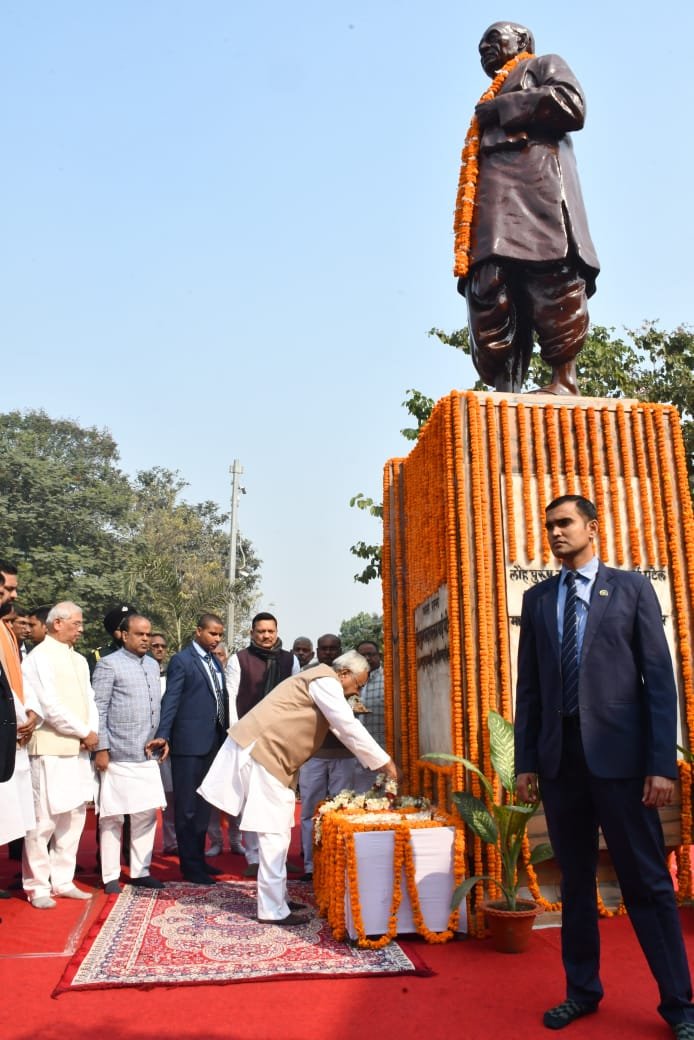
<point>256,770</point>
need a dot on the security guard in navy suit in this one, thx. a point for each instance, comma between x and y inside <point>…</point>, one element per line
<point>596,717</point>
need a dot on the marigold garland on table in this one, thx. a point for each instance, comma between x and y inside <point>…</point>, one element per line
<point>336,869</point>
<point>469,172</point>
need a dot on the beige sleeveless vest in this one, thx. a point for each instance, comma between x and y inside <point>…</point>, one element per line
<point>286,726</point>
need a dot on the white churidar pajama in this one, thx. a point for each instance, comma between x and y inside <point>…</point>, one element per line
<point>61,787</point>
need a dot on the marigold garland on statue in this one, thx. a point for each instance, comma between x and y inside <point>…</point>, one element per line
<point>540,476</point>
<point>469,172</point>
<point>654,466</point>
<point>550,415</point>
<point>509,500</point>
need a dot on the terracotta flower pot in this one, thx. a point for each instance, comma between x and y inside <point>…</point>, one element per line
<point>510,929</point>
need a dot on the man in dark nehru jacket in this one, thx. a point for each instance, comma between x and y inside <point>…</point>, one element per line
<point>251,674</point>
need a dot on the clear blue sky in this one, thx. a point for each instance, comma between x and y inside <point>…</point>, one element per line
<point>226,230</point>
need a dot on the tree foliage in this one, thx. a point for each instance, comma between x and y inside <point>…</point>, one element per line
<point>360,628</point>
<point>648,365</point>
<point>78,528</point>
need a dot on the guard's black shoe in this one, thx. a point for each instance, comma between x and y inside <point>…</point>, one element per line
<point>566,1013</point>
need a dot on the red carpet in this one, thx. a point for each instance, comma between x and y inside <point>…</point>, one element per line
<point>186,935</point>
<point>476,994</point>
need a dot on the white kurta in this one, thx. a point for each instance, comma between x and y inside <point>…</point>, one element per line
<point>237,784</point>
<point>17,814</point>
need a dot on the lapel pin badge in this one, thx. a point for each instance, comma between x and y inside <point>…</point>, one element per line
<point>603,592</point>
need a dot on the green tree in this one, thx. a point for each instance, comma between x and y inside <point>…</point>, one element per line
<point>648,365</point>
<point>79,529</point>
<point>180,561</point>
<point>64,513</point>
<point>419,406</point>
<point>362,627</point>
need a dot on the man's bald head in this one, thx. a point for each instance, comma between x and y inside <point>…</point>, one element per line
<point>501,42</point>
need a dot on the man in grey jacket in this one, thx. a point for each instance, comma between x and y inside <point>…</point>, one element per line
<point>127,692</point>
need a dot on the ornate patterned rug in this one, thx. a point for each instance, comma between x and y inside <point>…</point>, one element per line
<point>186,935</point>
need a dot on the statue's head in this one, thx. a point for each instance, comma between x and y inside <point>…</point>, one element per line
<point>501,42</point>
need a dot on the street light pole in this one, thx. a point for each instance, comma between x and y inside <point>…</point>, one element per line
<point>236,470</point>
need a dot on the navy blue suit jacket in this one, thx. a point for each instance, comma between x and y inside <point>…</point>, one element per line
<point>189,708</point>
<point>627,694</point>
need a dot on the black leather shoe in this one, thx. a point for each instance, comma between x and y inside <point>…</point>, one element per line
<point>146,882</point>
<point>212,871</point>
<point>566,1013</point>
<point>285,922</point>
<point>296,906</point>
<point>308,876</point>
<point>112,888</point>
<point>200,879</point>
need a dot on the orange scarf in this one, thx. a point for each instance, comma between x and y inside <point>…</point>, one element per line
<point>11,659</point>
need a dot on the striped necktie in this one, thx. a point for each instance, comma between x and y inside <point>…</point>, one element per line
<point>569,648</point>
<point>218,692</point>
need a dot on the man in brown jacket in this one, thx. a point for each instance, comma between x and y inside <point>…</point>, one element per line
<point>254,773</point>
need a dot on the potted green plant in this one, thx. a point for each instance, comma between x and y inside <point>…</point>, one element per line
<point>502,824</point>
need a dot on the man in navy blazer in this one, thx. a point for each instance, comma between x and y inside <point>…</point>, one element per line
<point>193,724</point>
<point>601,752</point>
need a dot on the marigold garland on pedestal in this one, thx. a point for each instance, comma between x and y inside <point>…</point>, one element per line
<point>526,479</point>
<point>628,469</point>
<point>582,451</point>
<point>598,477</point>
<point>642,473</point>
<point>568,446</point>
<point>540,477</point>
<point>509,499</point>
<point>613,474</point>
<point>654,467</point>
<point>555,467</point>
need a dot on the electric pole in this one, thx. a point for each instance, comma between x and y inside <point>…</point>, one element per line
<point>236,469</point>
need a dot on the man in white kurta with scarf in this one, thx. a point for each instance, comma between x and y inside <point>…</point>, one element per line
<point>254,773</point>
<point>61,772</point>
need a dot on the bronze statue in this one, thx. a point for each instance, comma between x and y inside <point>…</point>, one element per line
<point>524,256</point>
